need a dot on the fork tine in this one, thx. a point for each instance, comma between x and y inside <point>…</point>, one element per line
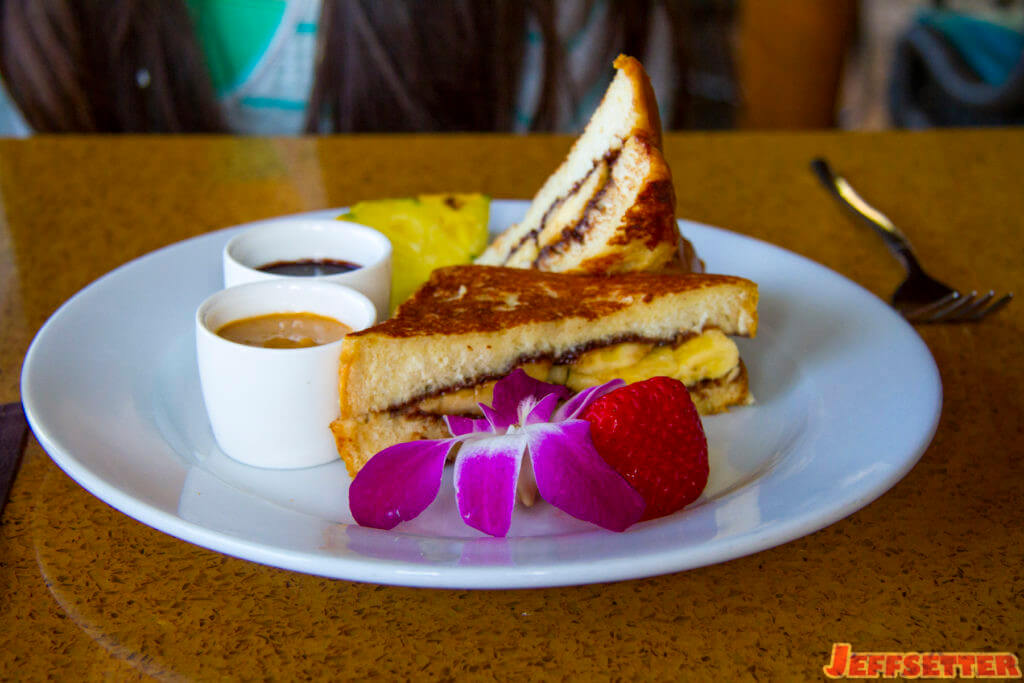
<point>927,310</point>
<point>968,308</point>
<point>952,312</point>
<point>992,308</point>
<point>945,313</point>
<point>967,312</point>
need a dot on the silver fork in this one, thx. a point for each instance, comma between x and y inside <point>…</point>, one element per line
<point>920,298</point>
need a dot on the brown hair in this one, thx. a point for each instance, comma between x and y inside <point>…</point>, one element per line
<point>437,66</point>
<point>106,66</point>
<point>135,65</point>
<point>469,80</point>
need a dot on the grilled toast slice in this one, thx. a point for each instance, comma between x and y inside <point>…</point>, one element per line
<point>610,205</point>
<point>470,325</point>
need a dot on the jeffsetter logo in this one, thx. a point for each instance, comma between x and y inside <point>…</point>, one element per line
<point>849,664</point>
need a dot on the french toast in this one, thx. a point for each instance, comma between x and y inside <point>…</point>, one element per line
<point>468,326</point>
<point>610,205</point>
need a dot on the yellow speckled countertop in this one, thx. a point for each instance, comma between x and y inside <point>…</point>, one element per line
<point>935,564</point>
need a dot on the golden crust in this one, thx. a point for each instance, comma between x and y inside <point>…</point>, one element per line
<point>490,299</point>
<point>647,120</point>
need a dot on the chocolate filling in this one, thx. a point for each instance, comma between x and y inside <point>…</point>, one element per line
<point>580,227</point>
<point>578,230</point>
<point>702,385</point>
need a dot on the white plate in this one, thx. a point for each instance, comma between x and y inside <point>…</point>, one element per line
<point>111,390</point>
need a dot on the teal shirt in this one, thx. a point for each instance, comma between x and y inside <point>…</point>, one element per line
<point>260,55</point>
<point>234,35</point>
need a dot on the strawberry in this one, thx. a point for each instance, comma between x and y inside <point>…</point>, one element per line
<point>651,434</point>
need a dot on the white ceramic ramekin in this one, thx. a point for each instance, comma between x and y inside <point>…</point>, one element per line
<point>295,239</point>
<point>273,407</point>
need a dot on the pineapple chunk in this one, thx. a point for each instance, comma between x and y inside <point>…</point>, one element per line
<point>426,232</point>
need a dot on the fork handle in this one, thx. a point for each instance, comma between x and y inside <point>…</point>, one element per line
<point>848,197</point>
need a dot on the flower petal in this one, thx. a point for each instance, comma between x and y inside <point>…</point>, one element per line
<point>575,479</point>
<point>486,471</point>
<point>498,421</point>
<point>538,411</point>
<point>398,483</point>
<point>458,425</point>
<point>510,391</point>
<point>572,408</point>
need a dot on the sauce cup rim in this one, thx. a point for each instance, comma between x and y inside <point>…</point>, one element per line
<point>341,226</point>
<point>360,302</point>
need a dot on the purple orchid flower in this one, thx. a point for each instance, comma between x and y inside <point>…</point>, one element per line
<point>524,443</point>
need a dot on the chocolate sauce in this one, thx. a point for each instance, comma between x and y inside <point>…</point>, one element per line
<point>309,267</point>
